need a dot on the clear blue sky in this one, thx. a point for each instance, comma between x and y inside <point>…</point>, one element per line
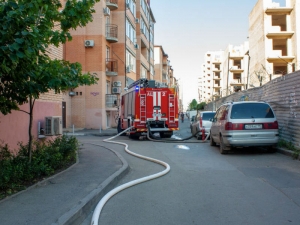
<point>188,29</point>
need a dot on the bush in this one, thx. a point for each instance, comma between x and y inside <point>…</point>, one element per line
<point>48,158</point>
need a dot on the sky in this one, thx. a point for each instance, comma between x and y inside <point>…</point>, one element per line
<point>188,29</point>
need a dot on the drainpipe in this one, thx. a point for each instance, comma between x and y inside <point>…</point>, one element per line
<point>248,70</point>
<point>125,47</point>
<point>228,75</point>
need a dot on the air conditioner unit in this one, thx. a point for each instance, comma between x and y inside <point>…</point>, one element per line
<point>142,31</point>
<point>89,43</point>
<point>127,6</point>
<point>117,83</point>
<point>128,69</point>
<point>136,46</point>
<point>53,125</point>
<point>106,11</point>
<point>116,90</point>
<point>137,20</point>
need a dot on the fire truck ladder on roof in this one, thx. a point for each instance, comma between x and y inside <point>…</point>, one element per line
<point>172,108</point>
<point>143,108</point>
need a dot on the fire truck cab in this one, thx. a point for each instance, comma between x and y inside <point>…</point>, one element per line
<point>148,106</point>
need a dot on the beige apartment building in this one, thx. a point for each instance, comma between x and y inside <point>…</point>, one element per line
<point>235,69</point>
<point>272,50</point>
<point>209,82</point>
<point>274,41</point>
<point>118,47</point>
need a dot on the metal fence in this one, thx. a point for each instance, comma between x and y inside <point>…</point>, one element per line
<point>283,94</point>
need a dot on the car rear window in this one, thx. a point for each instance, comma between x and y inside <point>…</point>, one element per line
<point>208,116</point>
<point>251,110</point>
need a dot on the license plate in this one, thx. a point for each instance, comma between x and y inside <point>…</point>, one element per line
<point>253,126</point>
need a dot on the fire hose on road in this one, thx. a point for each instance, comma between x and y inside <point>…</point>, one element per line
<point>110,194</point>
<point>102,202</point>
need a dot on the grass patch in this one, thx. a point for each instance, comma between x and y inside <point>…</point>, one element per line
<point>289,145</point>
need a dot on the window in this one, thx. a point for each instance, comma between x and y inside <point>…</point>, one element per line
<point>143,72</point>
<point>132,6</point>
<point>107,52</point>
<point>130,61</point>
<point>130,31</point>
<point>108,87</point>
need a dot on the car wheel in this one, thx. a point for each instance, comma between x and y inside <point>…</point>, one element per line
<point>212,142</point>
<point>222,150</point>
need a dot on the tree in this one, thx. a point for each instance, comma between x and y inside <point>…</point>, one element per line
<point>201,106</point>
<point>28,28</point>
<point>193,105</point>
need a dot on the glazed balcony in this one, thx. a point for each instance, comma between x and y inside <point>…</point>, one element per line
<point>111,67</point>
<point>112,4</point>
<point>111,100</point>
<point>111,33</point>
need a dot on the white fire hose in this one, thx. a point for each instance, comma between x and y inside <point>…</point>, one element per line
<point>116,190</point>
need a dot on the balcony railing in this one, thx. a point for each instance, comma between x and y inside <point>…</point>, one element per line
<point>236,82</point>
<point>111,100</point>
<point>112,4</point>
<point>111,67</point>
<point>111,33</point>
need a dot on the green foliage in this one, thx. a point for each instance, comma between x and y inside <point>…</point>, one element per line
<point>289,145</point>
<point>201,106</point>
<point>16,173</point>
<point>28,28</point>
<point>193,105</point>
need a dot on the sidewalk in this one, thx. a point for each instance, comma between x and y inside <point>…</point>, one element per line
<point>84,132</point>
<point>70,196</point>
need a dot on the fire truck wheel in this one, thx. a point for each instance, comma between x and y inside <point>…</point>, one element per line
<point>120,129</point>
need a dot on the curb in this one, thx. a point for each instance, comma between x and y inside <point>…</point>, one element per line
<point>287,152</point>
<point>79,213</point>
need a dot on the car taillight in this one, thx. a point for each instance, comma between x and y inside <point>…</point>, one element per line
<point>273,125</point>
<point>234,126</point>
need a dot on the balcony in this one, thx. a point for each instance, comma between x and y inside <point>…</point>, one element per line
<point>236,69</point>
<point>216,69</point>
<point>111,33</point>
<point>276,56</point>
<point>111,100</point>
<point>276,33</point>
<point>236,82</point>
<point>271,10</point>
<point>112,4</point>
<point>236,55</point>
<point>217,78</point>
<point>111,67</point>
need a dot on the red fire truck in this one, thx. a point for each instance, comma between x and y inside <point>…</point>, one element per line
<point>148,105</point>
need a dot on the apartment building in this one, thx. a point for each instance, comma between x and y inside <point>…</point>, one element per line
<point>273,40</point>
<point>162,67</point>
<point>118,48</point>
<point>209,82</point>
<point>235,69</point>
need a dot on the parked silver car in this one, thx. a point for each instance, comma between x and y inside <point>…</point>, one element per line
<point>202,121</point>
<point>244,124</point>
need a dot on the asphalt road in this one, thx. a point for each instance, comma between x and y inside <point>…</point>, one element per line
<point>205,187</point>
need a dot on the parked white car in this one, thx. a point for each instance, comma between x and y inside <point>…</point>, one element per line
<point>201,122</point>
<point>244,124</point>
